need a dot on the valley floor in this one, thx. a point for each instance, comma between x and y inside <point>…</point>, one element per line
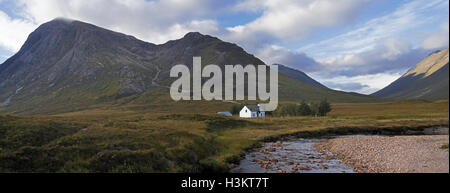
<point>123,140</point>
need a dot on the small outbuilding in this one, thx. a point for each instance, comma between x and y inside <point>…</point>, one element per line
<point>225,113</point>
<point>252,111</point>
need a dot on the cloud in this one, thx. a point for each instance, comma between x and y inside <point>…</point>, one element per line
<point>394,48</point>
<point>346,86</point>
<point>279,55</point>
<point>399,23</point>
<point>364,72</point>
<point>364,84</point>
<point>153,21</point>
<point>383,46</point>
<point>438,39</point>
<point>14,32</point>
<point>289,20</point>
<point>179,30</point>
<point>391,55</point>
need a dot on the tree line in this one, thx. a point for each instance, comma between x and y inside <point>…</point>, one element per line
<point>321,108</point>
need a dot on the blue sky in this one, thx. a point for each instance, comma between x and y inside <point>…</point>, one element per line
<point>351,45</point>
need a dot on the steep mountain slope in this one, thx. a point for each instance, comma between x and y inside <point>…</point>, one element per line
<point>428,80</point>
<point>69,65</point>
<point>299,75</point>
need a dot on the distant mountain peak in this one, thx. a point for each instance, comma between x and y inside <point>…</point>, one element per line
<point>194,35</point>
<point>434,52</point>
<point>61,22</point>
<point>431,64</point>
<point>428,80</point>
<point>63,19</point>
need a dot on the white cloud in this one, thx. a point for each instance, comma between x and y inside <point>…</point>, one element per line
<point>364,84</point>
<point>153,21</point>
<point>293,20</point>
<point>394,48</point>
<point>438,39</point>
<point>278,55</point>
<point>179,30</point>
<point>390,54</point>
<point>371,56</point>
<point>364,72</point>
<point>14,32</point>
<point>365,37</point>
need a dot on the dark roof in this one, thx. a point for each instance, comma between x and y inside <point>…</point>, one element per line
<point>253,108</point>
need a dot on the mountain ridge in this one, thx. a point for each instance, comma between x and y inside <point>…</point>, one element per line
<point>69,65</point>
<point>299,75</point>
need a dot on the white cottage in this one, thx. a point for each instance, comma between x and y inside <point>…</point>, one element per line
<point>252,111</point>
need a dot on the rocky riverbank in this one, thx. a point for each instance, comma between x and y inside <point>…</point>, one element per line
<point>293,156</point>
<point>391,154</point>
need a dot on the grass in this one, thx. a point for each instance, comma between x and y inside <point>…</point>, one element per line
<point>149,140</point>
<point>445,146</point>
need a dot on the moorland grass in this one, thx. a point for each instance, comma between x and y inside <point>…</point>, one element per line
<point>114,140</point>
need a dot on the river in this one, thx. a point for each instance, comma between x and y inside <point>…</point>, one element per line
<point>299,156</point>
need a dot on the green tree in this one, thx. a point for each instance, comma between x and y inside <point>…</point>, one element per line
<point>324,107</point>
<point>280,111</point>
<point>291,110</point>
<point>285,110</point>
<point>315,108</point>
<point>235,108</point>
<point>304,109</point>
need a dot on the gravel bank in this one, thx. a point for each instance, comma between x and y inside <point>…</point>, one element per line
<point>391,154</point>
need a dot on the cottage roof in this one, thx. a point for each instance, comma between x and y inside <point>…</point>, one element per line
<point>253,108</point>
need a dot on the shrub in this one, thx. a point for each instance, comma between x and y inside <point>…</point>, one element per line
<point>125,161</point>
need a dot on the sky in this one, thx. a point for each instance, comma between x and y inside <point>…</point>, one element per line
<point>351,45</point>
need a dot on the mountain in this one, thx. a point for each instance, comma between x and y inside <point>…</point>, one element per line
<point>68,65</point>
<point>299,75</point>
<point>428,80</point>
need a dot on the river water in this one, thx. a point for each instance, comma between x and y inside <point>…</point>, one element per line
<point>300,156</point>
<point>293,156</point>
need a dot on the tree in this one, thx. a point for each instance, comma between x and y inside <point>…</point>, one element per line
<point>291,110</point>
<point>315,108</point>
<point>281,111</point>
<point>324,107</point>
<point>236,108</point>
<point>286,110</point>
<point>304,109</point>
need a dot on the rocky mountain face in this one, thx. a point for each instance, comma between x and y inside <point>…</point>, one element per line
<point>64,61</point>
<point>69,65</point>
<point>428,80</point>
